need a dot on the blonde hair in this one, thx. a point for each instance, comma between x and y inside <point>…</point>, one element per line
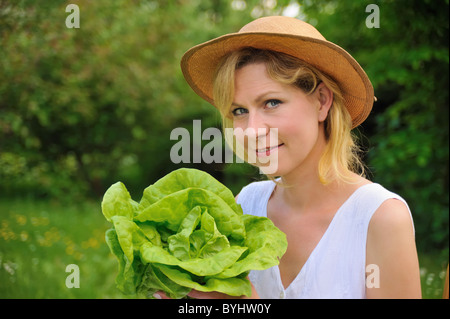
<point>341,154</point>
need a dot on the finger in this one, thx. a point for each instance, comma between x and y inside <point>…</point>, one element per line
<point>207,295</point>
<point>160,295</point>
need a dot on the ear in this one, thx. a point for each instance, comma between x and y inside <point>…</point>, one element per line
<point>325,97</point>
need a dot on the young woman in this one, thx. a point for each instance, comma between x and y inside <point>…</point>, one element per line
<point>347,237</point>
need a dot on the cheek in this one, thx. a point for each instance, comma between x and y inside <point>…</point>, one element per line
<point>301,136</point>
<point>240,134</point>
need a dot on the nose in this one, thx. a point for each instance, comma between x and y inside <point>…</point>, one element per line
<point>257,126</point>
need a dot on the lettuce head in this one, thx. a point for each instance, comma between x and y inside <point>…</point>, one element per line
<point>187,232</point>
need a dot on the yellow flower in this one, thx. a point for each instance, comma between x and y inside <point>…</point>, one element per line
<point>21,219</point>
<point>78,255</point>
<point>40,221</point>
<point>35,221</point>
<point>44,242</point>
<point>68,241</point>
<point>94,243</point>
<point>23,236</point>
<point>70,250</point>
<point>6,232</point>
<point>90,243</point>
<point>44,221</point>
<point>85,244</point>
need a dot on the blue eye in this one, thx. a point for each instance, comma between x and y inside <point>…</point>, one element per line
<point>272,103</point>
<point>239,111</point>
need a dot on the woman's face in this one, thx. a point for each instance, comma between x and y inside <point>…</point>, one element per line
<point>281,124</point>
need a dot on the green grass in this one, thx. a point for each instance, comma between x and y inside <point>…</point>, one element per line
<point>432,274</point>
<point>38,240</point>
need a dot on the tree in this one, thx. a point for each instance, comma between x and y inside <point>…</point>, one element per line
<point>82,107</point>
<point>407,61</point>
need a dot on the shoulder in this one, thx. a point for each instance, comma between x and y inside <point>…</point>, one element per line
<point>391,246</point>
<point>381,207</point>
<point>392,215</point>
<point>253,197</point>
<point>255,188</point>
<point>391,220</point>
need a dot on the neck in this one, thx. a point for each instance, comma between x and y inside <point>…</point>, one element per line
<point>304,191</point>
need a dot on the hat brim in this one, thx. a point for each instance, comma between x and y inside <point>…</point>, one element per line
<point>199,65</point>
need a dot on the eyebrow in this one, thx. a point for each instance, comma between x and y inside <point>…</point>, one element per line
<point>259,98</point>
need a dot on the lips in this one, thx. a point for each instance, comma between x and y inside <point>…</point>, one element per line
<point>268,150</point>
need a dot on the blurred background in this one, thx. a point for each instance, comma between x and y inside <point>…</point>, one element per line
<point>81,108</point>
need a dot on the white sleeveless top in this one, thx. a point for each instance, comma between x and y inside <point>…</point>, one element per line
<point>336,268</point>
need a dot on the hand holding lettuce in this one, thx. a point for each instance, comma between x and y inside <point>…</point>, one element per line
<point>187,232</point>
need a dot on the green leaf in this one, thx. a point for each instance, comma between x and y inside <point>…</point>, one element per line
<point>266,244</point>
<point>187,233</point>
<point>173,208</point>
<point>229,286</point>
<point>130,236</point>
<point>209,266</point>
<point>154,280</point>
<point>183,178</point>
<point>214,243</point>
<point>179,244</point>
<point>129,274</point>
<point>117,202</point>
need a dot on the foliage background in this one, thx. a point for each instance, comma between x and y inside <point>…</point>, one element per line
<point>83,108</point>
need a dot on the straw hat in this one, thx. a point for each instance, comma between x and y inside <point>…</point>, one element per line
<point>290,36</point>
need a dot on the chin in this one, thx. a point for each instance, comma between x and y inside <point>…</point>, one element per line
<point>275,170</point>
<point>272,170</point>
